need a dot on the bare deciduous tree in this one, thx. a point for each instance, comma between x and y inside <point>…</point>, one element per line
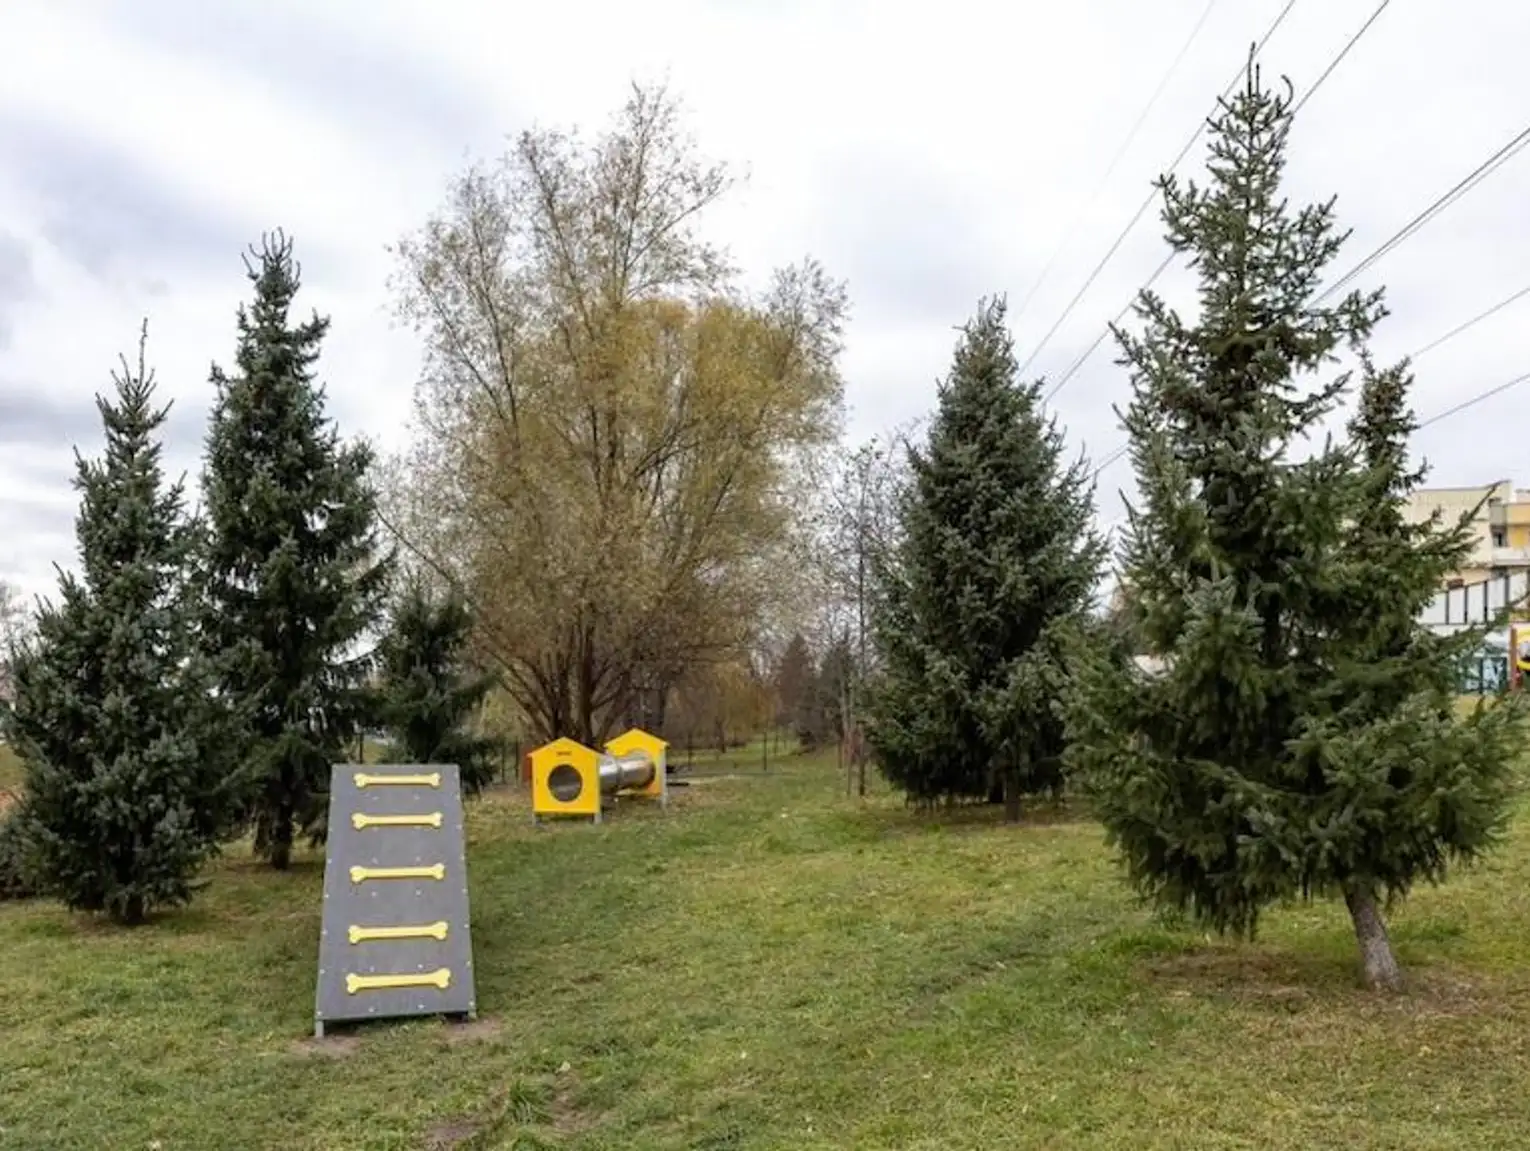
<point>608,429</point>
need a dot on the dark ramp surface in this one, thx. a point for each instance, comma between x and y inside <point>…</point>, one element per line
<point>395,938</point>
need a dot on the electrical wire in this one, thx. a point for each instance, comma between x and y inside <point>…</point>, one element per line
<point>1116,160</point>
<point>1083,358</point>
<point>1343,52</point>
<point>1478,174</point>
<point>1437,342</point>
<point>1471,323</point>
<point>1466,184</point>
<point>1454,409</point>
<point>1148,202</point>
<point>1473,401</point>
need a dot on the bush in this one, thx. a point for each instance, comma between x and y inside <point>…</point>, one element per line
<point>15,882</point>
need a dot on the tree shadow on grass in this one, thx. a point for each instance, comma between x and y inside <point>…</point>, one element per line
<point>899,820</point>
<point>1289,981</point>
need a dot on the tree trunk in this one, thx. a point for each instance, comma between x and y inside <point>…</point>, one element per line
<point>860,760</point>
<point>585,701</point>
<point>1379,964</point>
<point>281,842</point>
<point>132,913</point>
<point>1011,795</point>
<point>660,707</point>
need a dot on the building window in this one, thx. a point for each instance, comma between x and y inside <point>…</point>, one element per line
<point>1500,537</point>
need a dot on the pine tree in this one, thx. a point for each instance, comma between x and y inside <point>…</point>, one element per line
<point>1302,740</point>
<point>796,689</point>
<point>126,752</point>
<point>996,564</point>
<point>295,579</point>
<point>428,694</point>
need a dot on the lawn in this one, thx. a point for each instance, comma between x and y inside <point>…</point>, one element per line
<point>773,965</point>
<point>10,770</point>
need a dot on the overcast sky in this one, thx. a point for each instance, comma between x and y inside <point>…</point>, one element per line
<point>927,153</point>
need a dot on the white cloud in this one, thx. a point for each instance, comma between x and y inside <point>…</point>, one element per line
<point>930,155</point>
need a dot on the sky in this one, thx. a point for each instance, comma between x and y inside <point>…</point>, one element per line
<point>929,155</point>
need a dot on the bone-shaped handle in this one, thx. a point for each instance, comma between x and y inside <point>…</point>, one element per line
<point>361,820</point>
<point>368,779</point>
<point>435,930</point>
<point>434,871</point>
<point>440,978</point>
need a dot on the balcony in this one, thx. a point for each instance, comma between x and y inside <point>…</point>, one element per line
<point>1505,557</point>
<point>1477,602</point>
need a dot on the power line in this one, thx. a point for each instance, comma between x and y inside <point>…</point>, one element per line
<point>1120,152</point>
<point>1074,367</point>
<point>1461,187</point>
<point>1478,174</point>
<point>1148,202</point>
<point>1471,323</point>
<point>1454,409</point>
<point>1438,341</point>
<point>1111,458</point>
<point>1474,400</point>
<point>1343,52</point>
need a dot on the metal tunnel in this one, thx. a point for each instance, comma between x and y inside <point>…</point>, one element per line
<point>634,769</point>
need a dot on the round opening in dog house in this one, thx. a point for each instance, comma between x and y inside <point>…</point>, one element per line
<point>565,783</point>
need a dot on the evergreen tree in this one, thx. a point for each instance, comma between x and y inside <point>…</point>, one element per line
<point>1302,739</point>
<point>125,750</point>
<point>294,576</point>
<point>427,694</point>
<point>796,685</point>
<point>995,566</point>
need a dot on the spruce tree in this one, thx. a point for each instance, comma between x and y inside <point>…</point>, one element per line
<point>796,687</point>
<point>1302,739</point>
<point>125,750</point>
<point>428,693</point>
<point>995,566</point>
<point>295,578</point>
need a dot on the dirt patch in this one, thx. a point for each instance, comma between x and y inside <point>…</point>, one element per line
<point>564,1114</point>
<point>329,1047</point>
<point>8,800</point>
<point>478,1030</point>
<point>1288,982</point>
<point>453,1133</point>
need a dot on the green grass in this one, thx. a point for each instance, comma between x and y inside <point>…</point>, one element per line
<point>10,769</point>
<point>772,965</point>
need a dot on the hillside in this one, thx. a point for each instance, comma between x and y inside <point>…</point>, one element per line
<point>768,966</point>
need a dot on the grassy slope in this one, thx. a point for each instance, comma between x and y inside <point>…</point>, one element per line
<point>770,967</point>
<point>10,769</point>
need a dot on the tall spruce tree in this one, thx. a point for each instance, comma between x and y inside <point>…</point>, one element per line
<point>995,566</point>
<point>796,688</point>
<point>295,577</point>
<point>128,772</point>
<point>428,692</point>
<point>1302,740</point>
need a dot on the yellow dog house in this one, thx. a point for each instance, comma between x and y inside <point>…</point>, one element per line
<point>569,779</point>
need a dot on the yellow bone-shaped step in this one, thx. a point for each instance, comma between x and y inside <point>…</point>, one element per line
<point>434,871</point>
<point>361,820</point>
<point>371,779</point>
<point>441,977</point>
<point>435,930</point>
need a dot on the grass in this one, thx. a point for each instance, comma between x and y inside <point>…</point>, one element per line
<point>10,769</point>
<point>773,965</point>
